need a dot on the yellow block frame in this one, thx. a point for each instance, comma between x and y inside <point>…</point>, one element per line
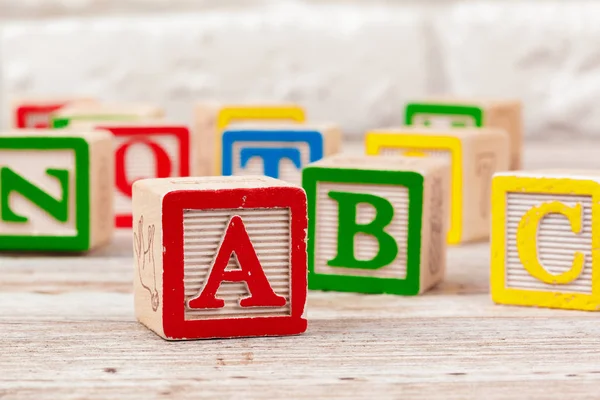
<point>230,114</point>
<point>374,141</point>
<point>502,185</point>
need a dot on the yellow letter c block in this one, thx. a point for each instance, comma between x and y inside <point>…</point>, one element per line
<point>527,241</point>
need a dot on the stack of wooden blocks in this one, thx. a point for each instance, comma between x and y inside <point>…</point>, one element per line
<point>234,219</point>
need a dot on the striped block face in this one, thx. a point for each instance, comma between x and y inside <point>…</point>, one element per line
<point>269,232</point>
<point>55,190</point>
<point>366,247</point>
<point>234,251</point>
<point>376,224</point>
<point>544,246</point>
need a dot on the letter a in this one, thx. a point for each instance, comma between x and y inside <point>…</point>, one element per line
<point>236,240</point>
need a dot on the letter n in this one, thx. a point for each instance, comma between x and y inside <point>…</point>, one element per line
<point>10,181</point>
<point>236,240</point>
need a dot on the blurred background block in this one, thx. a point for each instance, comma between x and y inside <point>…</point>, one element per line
<point>347,61</point>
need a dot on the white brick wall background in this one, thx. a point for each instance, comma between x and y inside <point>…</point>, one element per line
<point>349,61</point>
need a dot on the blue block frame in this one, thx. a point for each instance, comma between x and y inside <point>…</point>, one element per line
<point>313,138</point>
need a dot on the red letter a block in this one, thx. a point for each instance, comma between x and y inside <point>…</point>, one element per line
<point>220,257</point>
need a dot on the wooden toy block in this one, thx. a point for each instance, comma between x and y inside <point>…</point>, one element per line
<point>220,257</point>
<point>276,150</point>
<point>445,112</point>
<point>377,224</point>
<point>104,112</point>
<point>475,154</point>
<point>36,112</point>
<point>55,190</point>
<point>144,149</point>
<point>545,241</point>
<point>212,118</point>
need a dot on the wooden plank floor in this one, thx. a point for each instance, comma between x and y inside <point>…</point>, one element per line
<point>68,332</point>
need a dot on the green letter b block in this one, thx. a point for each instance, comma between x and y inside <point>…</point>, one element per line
<point>364,227</point>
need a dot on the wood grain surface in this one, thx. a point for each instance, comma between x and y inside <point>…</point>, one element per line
<point>68,332</point>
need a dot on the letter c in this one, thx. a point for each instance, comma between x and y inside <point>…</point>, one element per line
<point>527,243</point>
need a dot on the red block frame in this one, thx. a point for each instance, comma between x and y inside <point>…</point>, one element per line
<point>182,134</point>
<point>174,324</point>
<point>23,110</point>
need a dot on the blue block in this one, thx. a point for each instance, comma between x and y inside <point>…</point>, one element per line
<point>271,156</point>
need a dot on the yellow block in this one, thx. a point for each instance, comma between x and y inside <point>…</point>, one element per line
<point>561,275</point>
<point>229,114</point>
<point>414,144</point>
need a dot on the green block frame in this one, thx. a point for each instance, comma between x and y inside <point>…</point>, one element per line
<point>443,109</point>
<point>79,242</point>
<point>414,182</point>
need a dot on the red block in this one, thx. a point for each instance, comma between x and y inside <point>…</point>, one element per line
<point>36,113</point>
<point>145,151</point>
<point>220,257</point>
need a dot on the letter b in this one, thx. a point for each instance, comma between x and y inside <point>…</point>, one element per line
<point>348,228</point>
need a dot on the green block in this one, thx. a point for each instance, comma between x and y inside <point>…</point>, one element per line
<point>365,224</point>
<point>460,112</point>
<point>29,167</point>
